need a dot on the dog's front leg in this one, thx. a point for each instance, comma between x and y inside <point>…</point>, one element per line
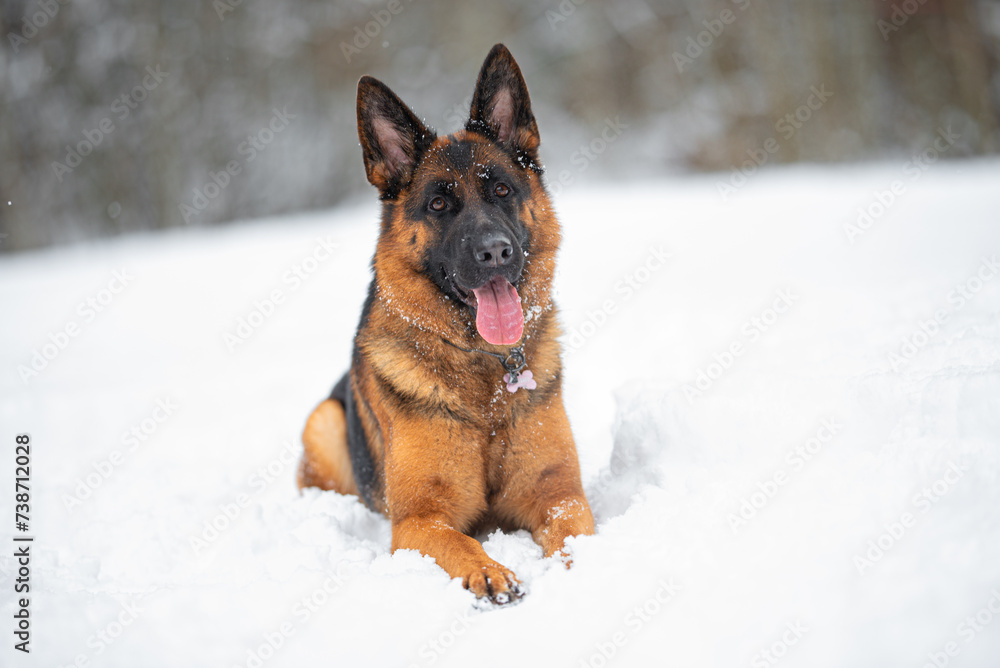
<point>460,555</point>
<point>543,492</point>
<point>435,492</point>
<point>564,518</point>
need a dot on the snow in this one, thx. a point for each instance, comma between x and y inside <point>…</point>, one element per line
<point>724,357</point>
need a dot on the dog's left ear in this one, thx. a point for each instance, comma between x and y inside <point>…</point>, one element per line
<point>501,108</point>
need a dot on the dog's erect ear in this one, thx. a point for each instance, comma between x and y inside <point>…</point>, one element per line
<point>501,109</point>
<point>392,137</point>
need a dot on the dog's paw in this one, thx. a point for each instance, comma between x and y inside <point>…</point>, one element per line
<point>495,583</point>
<point>562,556</point>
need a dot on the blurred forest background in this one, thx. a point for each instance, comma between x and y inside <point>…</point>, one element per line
<point>126,115</point>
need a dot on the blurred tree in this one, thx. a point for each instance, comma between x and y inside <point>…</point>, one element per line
<point>249,110</point>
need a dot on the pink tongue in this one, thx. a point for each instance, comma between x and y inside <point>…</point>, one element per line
<point>498,312</point>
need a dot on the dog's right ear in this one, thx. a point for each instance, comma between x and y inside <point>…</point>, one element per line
<point>392,137</point>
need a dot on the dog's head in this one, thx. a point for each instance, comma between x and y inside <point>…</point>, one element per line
<point>462,211</point>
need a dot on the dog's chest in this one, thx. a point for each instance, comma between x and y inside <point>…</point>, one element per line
<point>496,455</point>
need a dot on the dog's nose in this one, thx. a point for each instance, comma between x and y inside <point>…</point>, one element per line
<point>494,250</point>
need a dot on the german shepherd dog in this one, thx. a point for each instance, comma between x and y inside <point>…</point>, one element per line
<point>450,419</point>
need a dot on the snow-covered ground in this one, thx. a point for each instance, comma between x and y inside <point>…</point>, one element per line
<point>789,432</point>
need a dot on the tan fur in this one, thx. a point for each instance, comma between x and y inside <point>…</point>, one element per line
<point>326,462</point>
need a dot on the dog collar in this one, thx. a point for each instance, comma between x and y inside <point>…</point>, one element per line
<point>517,376</point>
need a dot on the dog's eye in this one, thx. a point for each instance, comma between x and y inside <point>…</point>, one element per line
<point>501,190</point>
<point>437,204</point>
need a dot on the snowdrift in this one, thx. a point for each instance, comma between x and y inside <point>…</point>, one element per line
<point>787,406</point>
